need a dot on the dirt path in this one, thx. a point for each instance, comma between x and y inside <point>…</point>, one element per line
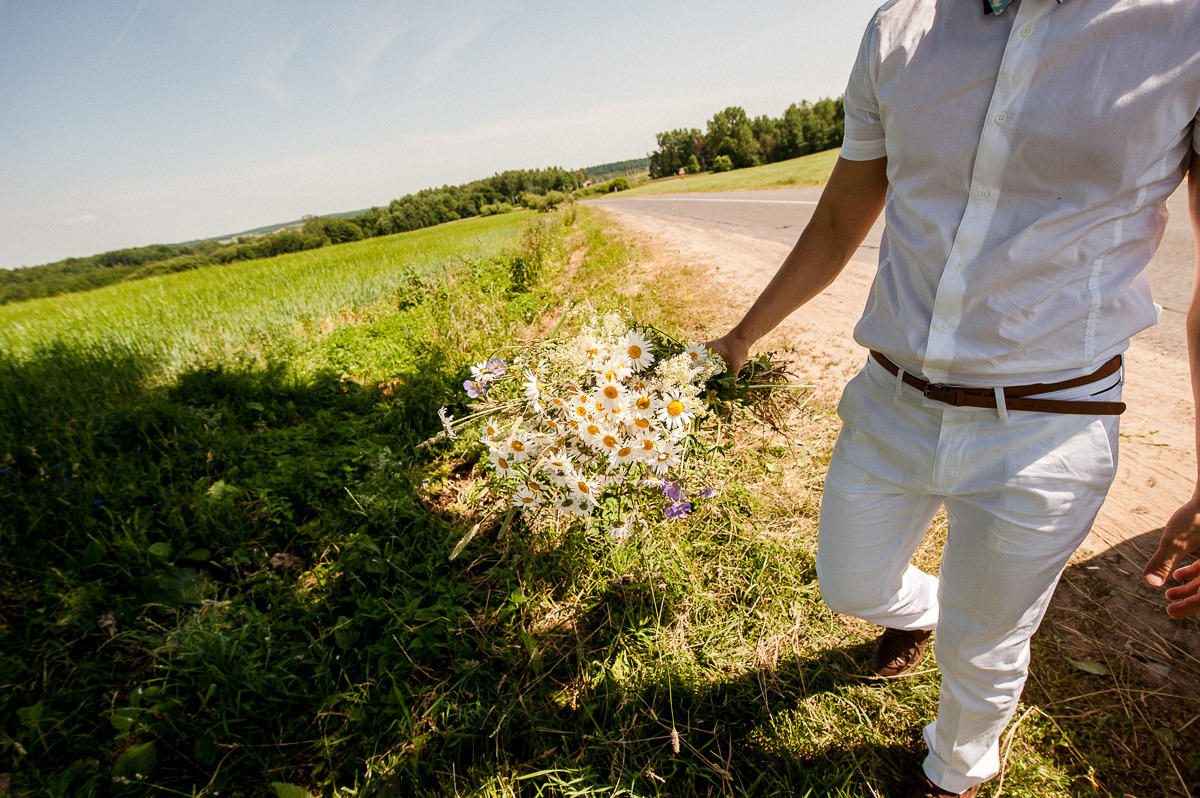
<point>1156,469</point>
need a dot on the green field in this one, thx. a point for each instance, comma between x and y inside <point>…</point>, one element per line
<point>808,170</point>
<point>226,559</point>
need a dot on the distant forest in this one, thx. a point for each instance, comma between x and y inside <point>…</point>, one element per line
<point>733,140</point>
<point>531,188</point>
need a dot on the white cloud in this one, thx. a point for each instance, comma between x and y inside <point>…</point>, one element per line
<point>83,218</point>
<point>355,71</point>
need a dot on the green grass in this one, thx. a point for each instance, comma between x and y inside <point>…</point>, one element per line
<point>227,569</point>
<point>808,170</point>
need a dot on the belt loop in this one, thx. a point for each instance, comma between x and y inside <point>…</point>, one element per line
<point>899,380</point>
<point>1001,406</point>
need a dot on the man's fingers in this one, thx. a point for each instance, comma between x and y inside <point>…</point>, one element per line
<point>1180,592</point>
<point>1186,608</point>
<point>1187,572</point>
<point>1163,562</point>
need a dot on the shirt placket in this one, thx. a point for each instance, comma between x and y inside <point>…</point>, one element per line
<point>1018,67</point>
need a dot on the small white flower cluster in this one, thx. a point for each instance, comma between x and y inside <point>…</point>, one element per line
<point>598,411</point>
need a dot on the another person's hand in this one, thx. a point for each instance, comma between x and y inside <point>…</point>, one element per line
<point>1180,538</point>
<point>732,348</point>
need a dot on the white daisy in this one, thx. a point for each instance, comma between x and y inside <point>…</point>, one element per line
<point>638,351</point>
<point>609,395</point>
<point>526,498</point>
<point>695,352</point>
<point>516,448</point>
<point>500,463</point>
<point>664,462</point>
<point>624,454</point>
<point>674,410</point>
<point>533,391</point>
<point>573,504</point>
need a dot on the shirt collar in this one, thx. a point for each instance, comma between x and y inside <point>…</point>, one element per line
<point>998,6</point>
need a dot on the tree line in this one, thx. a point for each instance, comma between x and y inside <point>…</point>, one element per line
<point>530,188</point>
<point>733,140</point>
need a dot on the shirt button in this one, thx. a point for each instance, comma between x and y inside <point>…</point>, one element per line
<point>982,193</point>
<point>941,326</point>
<point>1000,117</point>
<point>959,266</point>
<point>1026,31</point>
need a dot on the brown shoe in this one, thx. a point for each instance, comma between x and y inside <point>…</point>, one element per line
<point>924,788</point>
<point>898,651</point>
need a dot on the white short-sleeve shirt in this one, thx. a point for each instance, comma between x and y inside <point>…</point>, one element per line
<point>1029,157</point>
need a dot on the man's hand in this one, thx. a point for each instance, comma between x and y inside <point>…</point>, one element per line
<point>849,205</point>
<point>733,349</point>
<point>1180,538</point>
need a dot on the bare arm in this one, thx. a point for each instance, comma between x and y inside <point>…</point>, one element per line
<point>848,207</point>
<point>1181,536</point>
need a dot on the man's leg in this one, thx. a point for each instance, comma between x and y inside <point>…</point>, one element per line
<point>1004,554</point>
<point>876,505</point>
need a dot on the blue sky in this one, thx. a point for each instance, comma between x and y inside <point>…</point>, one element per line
<point>130,122</point>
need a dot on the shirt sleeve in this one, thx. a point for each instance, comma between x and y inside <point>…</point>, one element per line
<point>863,139</point>
<point>1196,133</point>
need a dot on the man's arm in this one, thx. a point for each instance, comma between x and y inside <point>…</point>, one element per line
<point>1181,536</point>
<point>849,205</point>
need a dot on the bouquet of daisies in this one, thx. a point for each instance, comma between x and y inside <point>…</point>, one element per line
<point>608,411</point>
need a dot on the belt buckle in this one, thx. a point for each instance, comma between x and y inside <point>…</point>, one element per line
<point>946,394</point>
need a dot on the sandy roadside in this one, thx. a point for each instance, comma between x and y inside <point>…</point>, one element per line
<point>1157,464</point>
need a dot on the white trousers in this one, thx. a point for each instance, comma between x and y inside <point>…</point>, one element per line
<point>1020,493</point>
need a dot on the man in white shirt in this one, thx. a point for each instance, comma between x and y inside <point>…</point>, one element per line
<point>1022,153</point>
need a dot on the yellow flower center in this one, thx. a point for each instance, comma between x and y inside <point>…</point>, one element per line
<point>610,441</point>
<point>491,431</point>
<point>675,408</point>
<point>583,487</point>
<point>693,355</point>
<point>643,403</point>
<point>581,411</point>
<point>648,445</point>
<point>643,423</point>
<point>611,392</point>
<point>635,352</point>
<point>593,429</point>
<point>533,486</point>
<point>610,375</point>
<point>517,446</point>
<point>500,461</point>
<point>527,499</point>
<point>625,452</point>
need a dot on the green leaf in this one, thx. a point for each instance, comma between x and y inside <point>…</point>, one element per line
<point>31,714</point>
<point>136,761</point>
<point>160,550</point>
<point>1088,666</point>
<point>1168,737</point>
<point>282,790</point>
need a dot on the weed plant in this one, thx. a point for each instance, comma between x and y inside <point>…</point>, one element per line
<point>228,569</point>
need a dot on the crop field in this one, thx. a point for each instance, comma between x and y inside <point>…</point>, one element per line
<point>808,170</point>
<point>227,563</point>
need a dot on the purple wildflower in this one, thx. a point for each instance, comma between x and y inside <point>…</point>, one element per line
<point>672,490</point>
<point>496,367</point>
<point>676,509</point>
<point>476,389</point>
<point>707,493</point>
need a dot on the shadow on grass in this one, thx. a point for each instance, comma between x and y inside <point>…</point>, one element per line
<point>239,578</point>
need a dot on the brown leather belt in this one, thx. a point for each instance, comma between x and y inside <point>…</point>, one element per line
<point>1014,395</point>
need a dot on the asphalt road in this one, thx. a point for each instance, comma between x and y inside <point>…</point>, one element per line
<point>780,216</point>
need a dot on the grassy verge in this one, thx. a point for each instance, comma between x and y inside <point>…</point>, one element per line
<point>234,577</point>
<point>808,170</point>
